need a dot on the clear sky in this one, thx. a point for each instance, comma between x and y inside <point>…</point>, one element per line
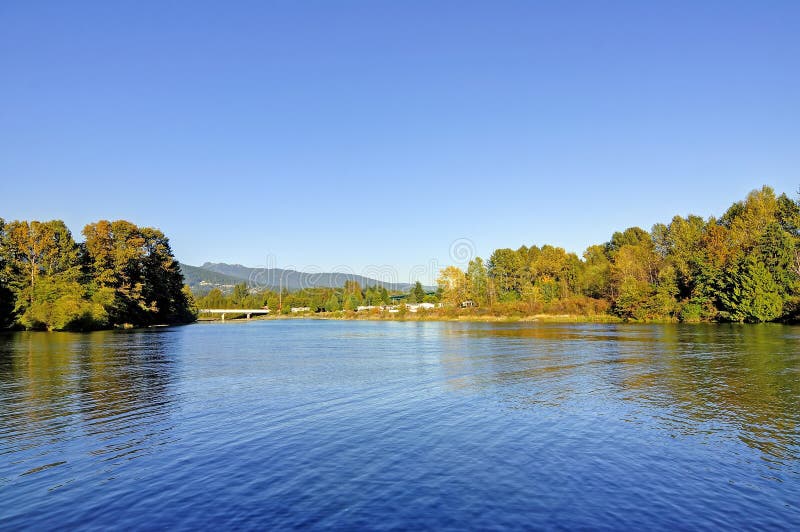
<point>330,133</point>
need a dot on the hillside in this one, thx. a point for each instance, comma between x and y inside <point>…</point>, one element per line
<point>224,276</point>
<point>201,280</point>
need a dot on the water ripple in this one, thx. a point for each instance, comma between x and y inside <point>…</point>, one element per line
<point>370,425</point>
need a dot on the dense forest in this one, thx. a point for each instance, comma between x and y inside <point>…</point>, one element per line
<point>121,275</point>
<point>741,267</point>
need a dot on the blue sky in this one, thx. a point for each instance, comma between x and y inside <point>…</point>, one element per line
<point>327,134</point>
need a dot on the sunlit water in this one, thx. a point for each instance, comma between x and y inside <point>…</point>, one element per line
<point>331,424</point>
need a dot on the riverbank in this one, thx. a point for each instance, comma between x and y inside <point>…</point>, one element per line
<point>426,316</point>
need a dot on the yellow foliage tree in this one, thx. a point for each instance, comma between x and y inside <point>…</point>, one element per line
<point>453,283</point>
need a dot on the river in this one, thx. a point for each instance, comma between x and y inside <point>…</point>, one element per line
<point>318,424</point>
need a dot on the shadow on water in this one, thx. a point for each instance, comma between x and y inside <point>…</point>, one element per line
<point>110,391</point>
<point>696,378</point>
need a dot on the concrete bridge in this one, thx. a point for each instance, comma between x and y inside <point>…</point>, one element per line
<point>223,311</point>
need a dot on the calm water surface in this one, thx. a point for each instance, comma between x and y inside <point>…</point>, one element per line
<point>331,424</point>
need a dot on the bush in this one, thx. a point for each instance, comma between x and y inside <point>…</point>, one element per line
<point>691,313</point>
<point>67,313</point>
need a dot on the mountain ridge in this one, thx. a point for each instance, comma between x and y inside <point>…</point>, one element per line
<point>224,276</point>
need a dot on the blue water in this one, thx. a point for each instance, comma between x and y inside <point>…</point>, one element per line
<point>387,425</point>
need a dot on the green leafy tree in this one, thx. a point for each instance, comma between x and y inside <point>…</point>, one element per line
<point>351,302</point>
<point>633,236</point>
<point>752,294</point>
<point>191,304</point>
<point>135,270</point>
<point>776,248</point>
<point>633,297</point>
<point>681,243</point>
<point>352,287</point>
<point>215,299</point>
<point>40,249</point>
<point>418,292</point>
<point>747,220</point>
<point>663,301</point>
<point>240,295</point>
<point>45,273</point>
<point>478,281</point>
<point>332,304</point>
<point>507,271</point>
<point>351,295</point>
<point>162,281</point>
<point>374,296</point>
<point>597,276</point>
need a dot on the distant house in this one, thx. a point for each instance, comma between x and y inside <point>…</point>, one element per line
<point>468,304</point>
<point>362,308</point>
<point>300,309</point>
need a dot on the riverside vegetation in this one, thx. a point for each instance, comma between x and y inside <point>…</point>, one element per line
<point>122,275</point>
<point>742,267</point>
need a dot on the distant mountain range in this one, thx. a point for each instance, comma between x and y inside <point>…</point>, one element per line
<point>211,275</point>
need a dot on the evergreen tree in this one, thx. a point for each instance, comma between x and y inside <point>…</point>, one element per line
<point>418,291</point>
<point>776,249</point>
<point>752,294</point>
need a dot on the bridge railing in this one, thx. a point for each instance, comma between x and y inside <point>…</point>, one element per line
<point>223,311</point>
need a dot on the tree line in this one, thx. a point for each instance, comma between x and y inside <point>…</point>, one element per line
<point>348,297</point>
<point>120,275</point>
<point>743,267</point>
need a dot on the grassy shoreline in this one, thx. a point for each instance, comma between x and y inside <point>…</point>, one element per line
<point>425,316</point>
<point>467,318</point>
